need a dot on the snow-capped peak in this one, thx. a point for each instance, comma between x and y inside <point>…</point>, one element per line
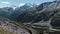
<point>21,4</point>
<point>28,4</point>
<point>14,7</point>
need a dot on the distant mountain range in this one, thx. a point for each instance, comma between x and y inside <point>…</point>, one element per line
<point>7,11</point>
<point>32,13</point>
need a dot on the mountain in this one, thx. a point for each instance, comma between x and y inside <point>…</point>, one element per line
<point>10,12</point>
<point>6,11</point>
<point>45,17</point>
<point>43,12</point>
<point>31,13</point>
<point>20,10</point>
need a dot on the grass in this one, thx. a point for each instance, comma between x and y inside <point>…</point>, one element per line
<point>2,31</point>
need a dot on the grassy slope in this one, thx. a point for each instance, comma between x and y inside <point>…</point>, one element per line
<point>2,31</point>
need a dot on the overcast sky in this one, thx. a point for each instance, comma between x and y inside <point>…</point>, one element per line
<point>7,3</point>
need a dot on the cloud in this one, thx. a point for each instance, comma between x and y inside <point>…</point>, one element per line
<point>4,2</point>
<point>21,4</point>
